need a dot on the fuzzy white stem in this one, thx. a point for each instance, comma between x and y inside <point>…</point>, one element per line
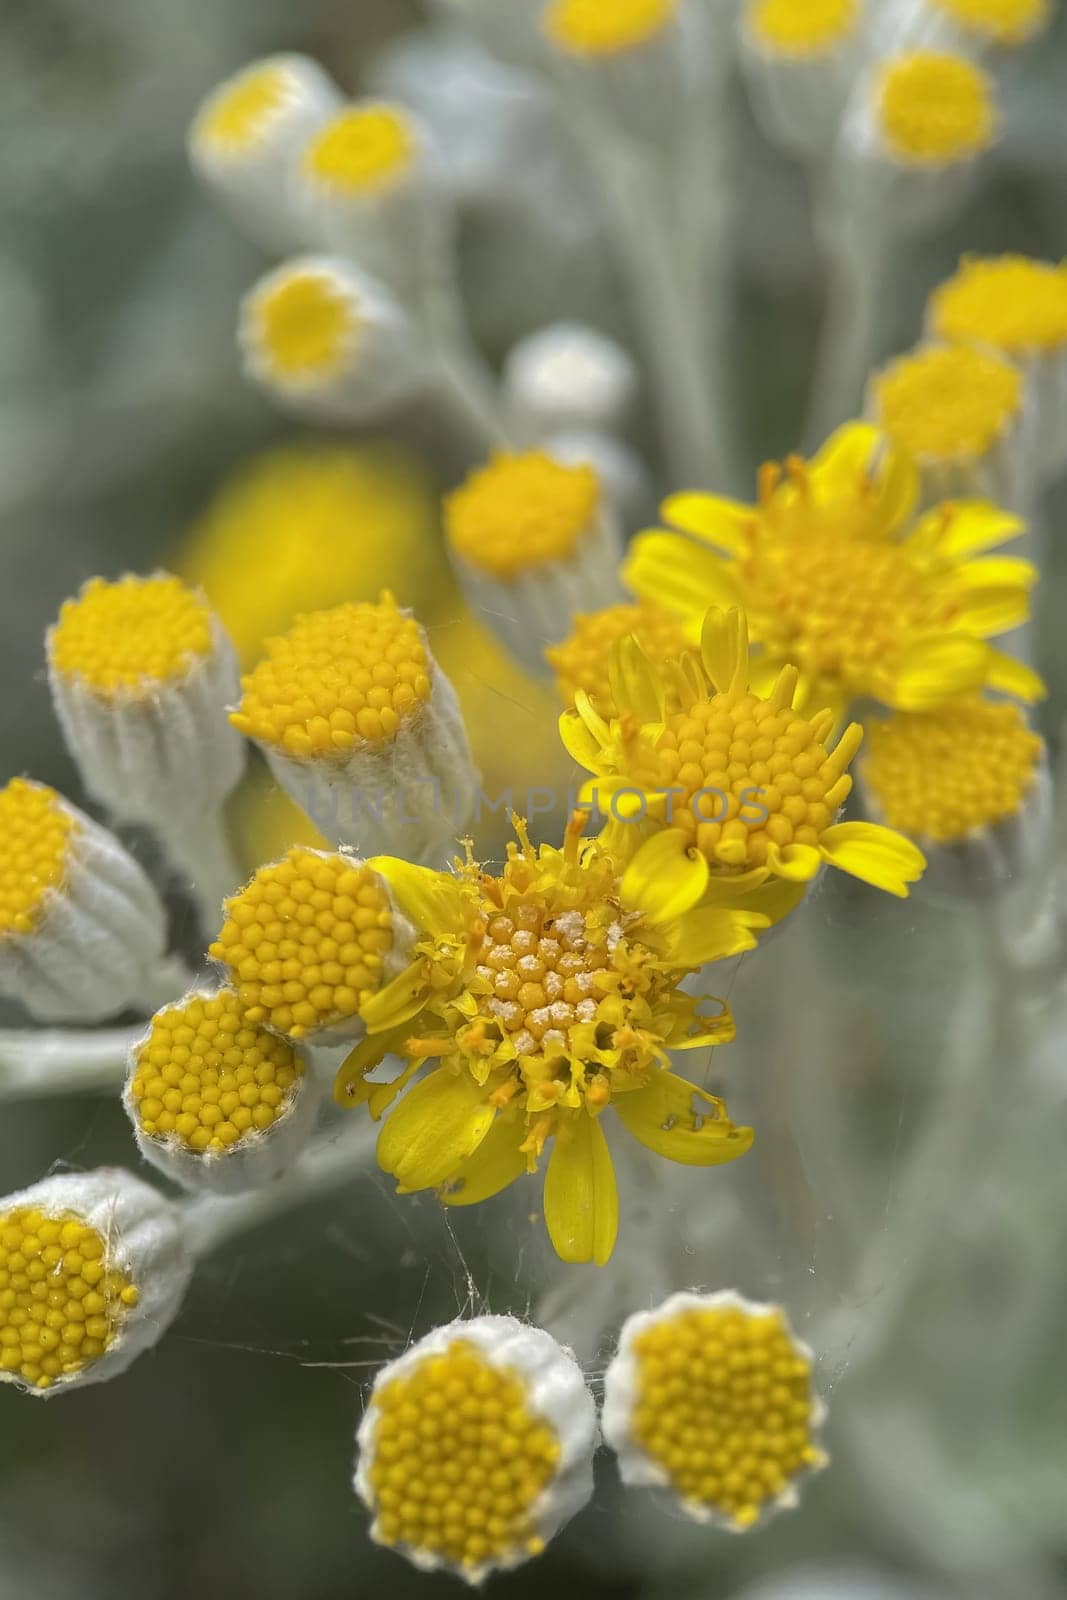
<point>857,248</point>
<point>51,1061</point>
<point>206,865</point>
<point>465,379</point>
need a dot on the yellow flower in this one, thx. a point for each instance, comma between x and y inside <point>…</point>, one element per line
<point>718,793</point>
<point>839,578</point>
<point>546,995</point>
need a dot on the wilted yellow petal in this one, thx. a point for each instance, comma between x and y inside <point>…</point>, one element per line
<point>675,1119</point>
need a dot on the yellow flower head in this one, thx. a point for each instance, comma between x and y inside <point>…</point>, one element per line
<point>307,942</point>
<point>338,680</point>
<point>1013,303</point>
<point>1002,22</point>
<point>125,639</point>
<point>521,512</point>
<point>838,578</point>
<point>547,995</point>
<point>304,324</point>
<point>802,28</point>
<point>948,403</point>
<point>710,1398</point>
<point>237,114</point>
<point>941,775</point>
<point>36,836</point>
<point>362,150</point>
<point>935,109</point>
<point>716,790</point>
<point>581,661</point>
<point>600,28</point>
<point>64,1300</point>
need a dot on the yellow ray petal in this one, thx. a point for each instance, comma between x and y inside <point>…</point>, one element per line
<point>1003,672</point>
<point>724,648</point>
<point>398,1001</point>
<point>965,527</point>
<point>878,855</point>
<point>934,670</point>
<point>438,1125</point>
<point>581,1198</point>
<point>579,741</point>
<point>495,1164</point>
<point>683,576</point>
<point>724,523</point>
<point>675,1119</point>
<point>371,1050</point>
<point>711,933</point>
<point>665,877</point>
<point>859,454</point>
<point>798,863</point>
<point>432,900</point>
<point>634,685</point>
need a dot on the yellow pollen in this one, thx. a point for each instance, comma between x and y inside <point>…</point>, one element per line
<point>209,1078</point>
<point>581,661</point>
<point>943,774</point>
<point>521,512</point>
<point>803,27</point>
<point>363,148</point>
<point>304,325</point>
<point>239,111</point>
<point>935,109</point>
<point>129,637</point>
<point>724,1406</point>
<point>1011,302</point>
<point>948,402</point>
<point>606,27</point>
<point>304,943</point>
<point>1006,22</point>
<point>460,1459</point>
<point>337,681</point>
<point>62,1302</point>
<point>36,835</point>
<point>770,776</point>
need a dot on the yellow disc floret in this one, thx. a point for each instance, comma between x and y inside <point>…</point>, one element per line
<point>724,1407</point>
<point>934,109</point>
<point>521,512</point>
<point>1011,302</point>
<point>606,27</point>
<point>581,661</point>
<point>209,1077</point>
<point>242,108</point>
<point>943,774</point>
<point>36,835</point>
<point>948,402</point>
<point>338,680</point>
<point>304,324</point>
<point>362,148</point>
<point>1005,22</point>
<point>129,637</point>
<point>460,1459</point>
<point>305,942</point>
<point>803,27</point>
<point>61,1302</point>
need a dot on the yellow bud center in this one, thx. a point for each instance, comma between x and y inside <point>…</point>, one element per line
<point>305,942</point>
<point>1005,22</point>
<point>337,681</point>
<point>521,512</point>
<point>363,148</point>
<point>724,1406</point>
<point>768,775</point>
<point>935,109</point>
<point>949,402</point>
<point>803,27</point>
<point>304,325</point>
<point>241,109</point>
<point>36,835</point>
<point>606,27</point>
<point>129,637</point>
<point>460,1459</point>
<point>62,1302</point>
<point>1010,302</point>
<point>209,1078</point>
<point>581,661</point>
<point>943,774</point>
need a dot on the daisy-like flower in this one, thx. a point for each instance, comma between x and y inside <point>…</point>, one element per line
<point>709,1398</point>
<point>716,792</point>
<point>476,1447</point>
<point>546,995</point>
<point>839,578</point>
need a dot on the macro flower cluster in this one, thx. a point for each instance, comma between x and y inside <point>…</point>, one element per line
<point>837,671</point>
